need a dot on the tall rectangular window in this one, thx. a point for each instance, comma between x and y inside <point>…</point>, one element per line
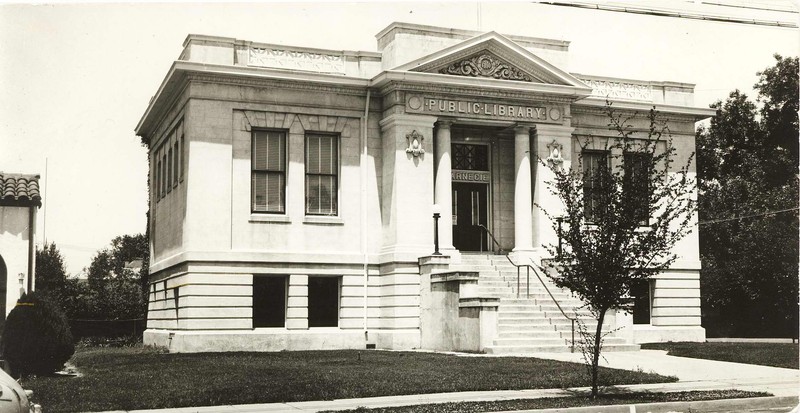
<point>323,301</point>
<point>636,185</point>
<point>170,156</point>
<point>182,148</point>
<point>269,172</point>
<point>322,171</point>
<point>642,293</point>
<point>157,186</point>
<point>269,301</point>
<point>175,162</point>
<point>595,170</point>
<point>164,174</point>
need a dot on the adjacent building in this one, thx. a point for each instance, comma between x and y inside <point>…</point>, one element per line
<point>19,202</point>
<point>292,192</point>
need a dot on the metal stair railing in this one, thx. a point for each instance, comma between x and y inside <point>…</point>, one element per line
<point>494,240</point>
<point>528,268</point>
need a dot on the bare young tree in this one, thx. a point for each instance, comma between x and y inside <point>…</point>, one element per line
<point>625,206</point>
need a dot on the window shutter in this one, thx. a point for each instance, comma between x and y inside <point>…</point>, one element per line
<point>268,175</point>
<point>322,166</point>
<point>269,152</point>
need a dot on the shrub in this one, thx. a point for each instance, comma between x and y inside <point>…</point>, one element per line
<point>36,338</point>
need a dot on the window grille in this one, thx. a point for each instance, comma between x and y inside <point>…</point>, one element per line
<point>470,157</point>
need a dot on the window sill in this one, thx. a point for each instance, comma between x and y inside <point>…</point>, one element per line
<point>269,218</point>
<point>323,220</point>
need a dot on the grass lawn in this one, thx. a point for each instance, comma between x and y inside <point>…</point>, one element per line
<point>144,378</point>
<point>561,402</point>
<point>766,354</point>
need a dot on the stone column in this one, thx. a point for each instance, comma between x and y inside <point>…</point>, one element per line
<point>523,229</point>
<point>443,184</point>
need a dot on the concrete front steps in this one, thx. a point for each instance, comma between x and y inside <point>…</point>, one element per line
<point>531,322</point>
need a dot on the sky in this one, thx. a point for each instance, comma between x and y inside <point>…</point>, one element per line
<point>76,78</point>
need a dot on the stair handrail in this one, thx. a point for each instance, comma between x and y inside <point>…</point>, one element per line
<point>530,267</point>
<point>494,240</point>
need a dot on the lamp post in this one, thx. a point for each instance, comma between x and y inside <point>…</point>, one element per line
<point>436,215</point>
<point>560,220</point>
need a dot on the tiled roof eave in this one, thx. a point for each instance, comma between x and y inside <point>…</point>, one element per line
<point>21,202</point>
<point>19,190</point>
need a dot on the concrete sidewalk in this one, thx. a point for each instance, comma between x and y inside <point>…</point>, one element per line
<point>778,381</point>
<point>693,374</point>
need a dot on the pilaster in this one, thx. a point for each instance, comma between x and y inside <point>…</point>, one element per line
<point>297,304</point>
<point>553,147</point>
<point>407,187</point>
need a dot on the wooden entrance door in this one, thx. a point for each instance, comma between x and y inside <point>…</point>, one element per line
<point>469,212</point>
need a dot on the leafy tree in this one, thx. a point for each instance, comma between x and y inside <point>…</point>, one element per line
<point>778,91</point>
<point>114,291</point>
<point>609,243</point>
<point>110,262</point>
<point>747,167</point>
<point>51,273</point>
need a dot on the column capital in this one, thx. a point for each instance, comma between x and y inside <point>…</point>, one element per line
<point>444,123</point>
<point>554,131</point>
<point>523,127</point>
<point>403,119</point>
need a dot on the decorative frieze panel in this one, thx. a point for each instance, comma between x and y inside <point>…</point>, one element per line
<point>620,90</point>
<point>485,109</point>
<point>295,60</point>
<point>486,65</point>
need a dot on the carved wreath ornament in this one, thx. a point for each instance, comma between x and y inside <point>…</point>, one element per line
<point>485,65</point>
<point>415,143</point>
<point>555,159</point>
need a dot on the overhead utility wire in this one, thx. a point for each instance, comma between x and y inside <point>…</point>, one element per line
<point>666,13</point>
<point>768,213</point>
<point>742,6</point>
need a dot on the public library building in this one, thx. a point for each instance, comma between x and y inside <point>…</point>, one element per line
<point>293,191</point>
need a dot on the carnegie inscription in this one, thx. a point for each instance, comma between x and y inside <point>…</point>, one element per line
<point>468,107</point>
<point>469,176</point>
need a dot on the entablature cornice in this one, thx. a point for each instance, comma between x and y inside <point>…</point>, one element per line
<point>277,84</point>
<point>606,132</point>
<point>433,82</point>
<point>183,72</point>
<point>466,91</point>
<point>597,106</point>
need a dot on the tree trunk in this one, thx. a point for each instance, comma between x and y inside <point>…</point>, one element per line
<point>596,352</point>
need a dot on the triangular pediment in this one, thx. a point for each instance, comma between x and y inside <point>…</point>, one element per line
<point>494,56</point>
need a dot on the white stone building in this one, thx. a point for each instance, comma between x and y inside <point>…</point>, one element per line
<point>20,201</point>
<point>292,192</point>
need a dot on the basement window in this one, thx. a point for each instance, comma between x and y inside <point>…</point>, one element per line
<point>269,301</point>
<point>323,301</point>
